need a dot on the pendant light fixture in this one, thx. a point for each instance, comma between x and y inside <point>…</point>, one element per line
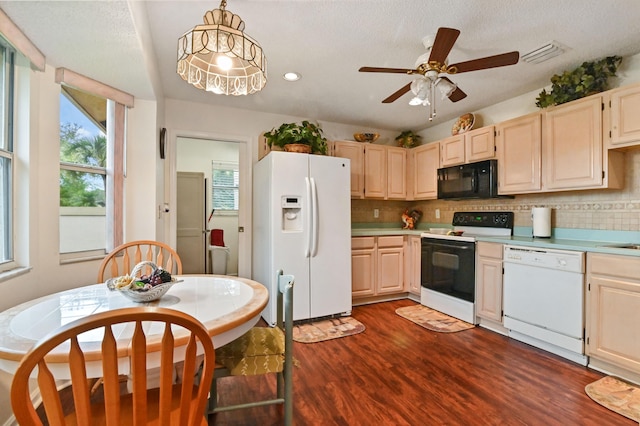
<point>219,57</point>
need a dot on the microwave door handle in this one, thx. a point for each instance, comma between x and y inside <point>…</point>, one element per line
<point>474,181</point>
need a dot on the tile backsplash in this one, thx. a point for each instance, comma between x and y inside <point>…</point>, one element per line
<point>616,210</point>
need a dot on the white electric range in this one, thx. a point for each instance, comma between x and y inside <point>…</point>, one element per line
<point>448,262</point>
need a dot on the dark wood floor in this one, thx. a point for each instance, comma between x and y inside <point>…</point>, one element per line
<point>397,373</point>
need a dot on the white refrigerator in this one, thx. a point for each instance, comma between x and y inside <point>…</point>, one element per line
<point>302,225</point>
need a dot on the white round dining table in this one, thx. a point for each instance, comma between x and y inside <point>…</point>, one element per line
<point>227,306</point>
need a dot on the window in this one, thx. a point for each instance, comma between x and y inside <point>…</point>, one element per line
<point>225,182</point>
<point>92,146</point>
<point>83,172</point>
<point>6,155</point>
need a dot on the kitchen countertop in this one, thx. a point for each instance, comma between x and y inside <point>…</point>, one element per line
<point>597,241</point>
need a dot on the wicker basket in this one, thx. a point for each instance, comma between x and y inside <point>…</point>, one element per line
<point>298,147</point>
<point>142,295</point>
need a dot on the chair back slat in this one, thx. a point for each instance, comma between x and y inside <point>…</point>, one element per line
<point>139,374</point>
<point>48,391</point>
<point>81,389</point>
<point>125,257</point>
<point>110,381</point>
<point>166,376</point>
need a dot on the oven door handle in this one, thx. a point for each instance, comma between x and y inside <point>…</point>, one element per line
<point>468,246</point>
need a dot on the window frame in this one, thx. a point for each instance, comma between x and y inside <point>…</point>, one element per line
<point>7,152</point>
<point>225,165</point>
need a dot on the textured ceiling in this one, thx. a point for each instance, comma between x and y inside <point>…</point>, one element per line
<point>132,46</point>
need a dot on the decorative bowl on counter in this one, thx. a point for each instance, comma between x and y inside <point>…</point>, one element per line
<point>439,231</point>
<point>366,137</point>
<point>145,288</point>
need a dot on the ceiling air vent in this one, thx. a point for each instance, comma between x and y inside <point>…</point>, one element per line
<point>543,53</point>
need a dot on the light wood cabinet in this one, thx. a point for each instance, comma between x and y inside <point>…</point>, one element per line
<point>469,147</point>
<point>625,110</point>
<point>613,310</point>
<point>396,173</point>
<point>377,265</point>
<point>363,266</point>
<point>424,167</point>
<point>390,268</point>
<point>375,171</point>
<point>518,145</point>
<point>573,156</point>
<point>489,281</point>
<point>354,151</point>
<point>413,264</point>
<point>452,151</point>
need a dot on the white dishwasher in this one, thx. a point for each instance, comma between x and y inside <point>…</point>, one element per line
<point>543,299</point>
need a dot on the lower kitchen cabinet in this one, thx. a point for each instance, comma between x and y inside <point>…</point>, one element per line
<point>377,265</point>
<point>413,263</point>
<point>489,281</point>
<point>613,311</point>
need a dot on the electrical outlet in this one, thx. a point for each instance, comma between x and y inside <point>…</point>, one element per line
<point>437,213</point>
<point>376,213</point>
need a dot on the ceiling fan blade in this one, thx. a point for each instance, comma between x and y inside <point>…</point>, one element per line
<point>495,61</point>
<point>457,94</point>
<point>404,89</point>
<point>389,70</point>
<point>443,43</point>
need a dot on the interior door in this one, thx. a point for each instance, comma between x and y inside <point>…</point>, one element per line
<point>191,244</point>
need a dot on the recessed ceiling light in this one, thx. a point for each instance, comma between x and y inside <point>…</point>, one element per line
<point>291,76</point>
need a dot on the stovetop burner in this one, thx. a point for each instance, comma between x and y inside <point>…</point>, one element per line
<point>473,224</point>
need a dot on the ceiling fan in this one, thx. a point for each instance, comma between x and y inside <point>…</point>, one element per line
<point>433,69</point>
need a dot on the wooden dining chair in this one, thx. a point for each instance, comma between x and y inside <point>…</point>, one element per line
<point>169,404</point>
<point>262,350</point>
<point>123,258</point>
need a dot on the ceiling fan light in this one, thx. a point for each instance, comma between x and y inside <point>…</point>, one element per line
<point>446,87</point>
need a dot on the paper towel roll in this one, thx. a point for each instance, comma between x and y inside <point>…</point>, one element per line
<point>541,218</point>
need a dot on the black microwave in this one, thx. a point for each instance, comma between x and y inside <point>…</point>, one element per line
<point>473,180</point>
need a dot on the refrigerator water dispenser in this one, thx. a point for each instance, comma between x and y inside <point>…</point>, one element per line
<point>291,217</point>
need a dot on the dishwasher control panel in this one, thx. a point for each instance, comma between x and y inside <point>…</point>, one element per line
<point>565,260</point>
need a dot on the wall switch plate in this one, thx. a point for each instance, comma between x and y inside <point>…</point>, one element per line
<point>376,213</point>
<point>437,213</point>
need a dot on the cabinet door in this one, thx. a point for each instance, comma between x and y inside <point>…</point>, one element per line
<point>613,310</point>
<point>355,152</point>
<point>390,270</point>
<point>625,110</point>
<point>363,266</point>
<point>489,288</point>
<point>375,171</point>
<point>396,173</point>
<point>572,145</point>
<point>452,151</point>
<point>480,144</point>
<point>413,264</point>
<point>425,171</point>
<point>518,144</point>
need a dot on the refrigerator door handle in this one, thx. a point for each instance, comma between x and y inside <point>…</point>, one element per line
<point>314,220</point>
<point>308,229</point>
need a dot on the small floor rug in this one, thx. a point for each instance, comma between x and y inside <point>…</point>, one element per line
<point>616,395</point>
<point>432,319</point>
<point>328,329</point>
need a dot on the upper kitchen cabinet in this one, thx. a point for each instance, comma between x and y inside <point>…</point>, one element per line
<point>354,151</point>
<point>469,147</point>
<point>625,110</point>
<point>425,161</point>
<point>396,173</point>
<point>518,147</point>
<point>377,171</point>
<point>573,156</point>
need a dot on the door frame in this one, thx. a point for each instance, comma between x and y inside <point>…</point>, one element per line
<point>244,202</point>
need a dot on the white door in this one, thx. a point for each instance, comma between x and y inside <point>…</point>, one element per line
<point>190,222</point>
